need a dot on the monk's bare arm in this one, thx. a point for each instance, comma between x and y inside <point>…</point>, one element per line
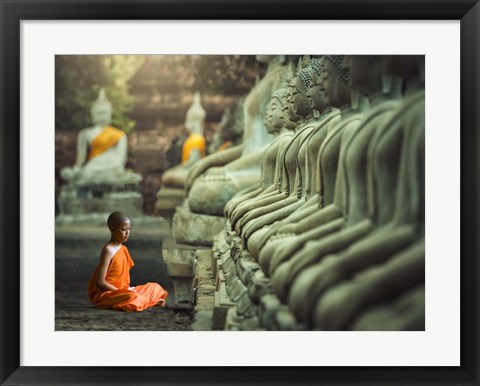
<point>105,259</point>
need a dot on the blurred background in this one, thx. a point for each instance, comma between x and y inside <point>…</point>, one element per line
<point>150,96</point>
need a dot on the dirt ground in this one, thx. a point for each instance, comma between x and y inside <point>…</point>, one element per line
<point>73,312</point>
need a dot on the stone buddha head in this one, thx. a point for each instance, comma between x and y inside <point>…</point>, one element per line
<point>336,81</point>
<point>275,117</point>
<point>316,91</point>
<point>101,110</point>
<point>297,98</point>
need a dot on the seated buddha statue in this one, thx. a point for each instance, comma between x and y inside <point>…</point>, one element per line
<point>259,214</point>
<point>193,148</point>
<point>382,189</point>
<point>328,219</point>
<point>352,195</point>
<point>273,192</point>
<point>328,117</point>
<point>277,122</point>
<point>101,151</point>
<point>306,170</point>
<point>238,167</point>
<point>230,129</point>
<point>388,266</point>
<point>365,78</point>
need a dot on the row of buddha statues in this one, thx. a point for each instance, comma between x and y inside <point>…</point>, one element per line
<point>322,205</point>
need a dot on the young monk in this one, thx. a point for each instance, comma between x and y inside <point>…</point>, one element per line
<point>109,286</point>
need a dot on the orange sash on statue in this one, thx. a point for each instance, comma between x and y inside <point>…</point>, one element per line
<point>107,138</point>
<point>193,142</point>
<point>118,274</point>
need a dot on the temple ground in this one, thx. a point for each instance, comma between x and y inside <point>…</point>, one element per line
<point>77,251</point>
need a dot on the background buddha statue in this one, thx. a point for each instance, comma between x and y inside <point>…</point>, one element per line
<point>101,151</point>
<point>193,148</point>
<point>230,129</point>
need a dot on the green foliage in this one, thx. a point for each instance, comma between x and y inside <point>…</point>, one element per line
<point>78,79</point>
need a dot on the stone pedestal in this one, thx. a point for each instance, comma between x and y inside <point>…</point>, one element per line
<point>181,268</point>
<point>221,307</point>
<point>167,201</point>
<point>81,202</point>
<point>195,229</point>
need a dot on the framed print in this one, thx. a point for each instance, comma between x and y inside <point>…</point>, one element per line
<point>43,344</point>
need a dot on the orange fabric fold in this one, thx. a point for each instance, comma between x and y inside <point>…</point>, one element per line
<point>107,138</point>
<point>193,142</point>
<point>118,274</point>
<point>225,145</point>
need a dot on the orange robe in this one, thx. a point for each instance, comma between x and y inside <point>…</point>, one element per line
<point>193,142</point>
<point>108,137</point>
<point>118,274</point>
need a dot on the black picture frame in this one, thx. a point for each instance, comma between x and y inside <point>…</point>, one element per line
<point>13,11</point>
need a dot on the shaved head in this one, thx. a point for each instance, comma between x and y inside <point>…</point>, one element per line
<point>116,218</point>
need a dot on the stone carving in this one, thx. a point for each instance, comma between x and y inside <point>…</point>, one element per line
<point>352,253</point>
<point>193,148</point>
<point>230,130</point>
<point>98,183</point>
<point>101,151</point>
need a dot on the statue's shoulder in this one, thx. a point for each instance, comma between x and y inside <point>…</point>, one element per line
<point>114,129</point>
<point>88,132</point>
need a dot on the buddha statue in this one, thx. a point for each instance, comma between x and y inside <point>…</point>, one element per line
<point>230,129</point>
<point>350,196</point>
<point>328,219</point>
<point>98,183</point>
<point>277,122</point>
<point>366,79</point>
<point>209,193</point>
<point>330,89</point>
<point>261,213</point>
<point>101,151</point>
<point>272,192</point>
<point>380,244</point>
<point>388,266</point>
<point>193,148</point>
<point>328,117</point>
<point>307,168</point>
<point>217,178</point>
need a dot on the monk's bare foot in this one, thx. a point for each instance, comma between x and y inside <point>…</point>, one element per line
<point>161,303</point>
